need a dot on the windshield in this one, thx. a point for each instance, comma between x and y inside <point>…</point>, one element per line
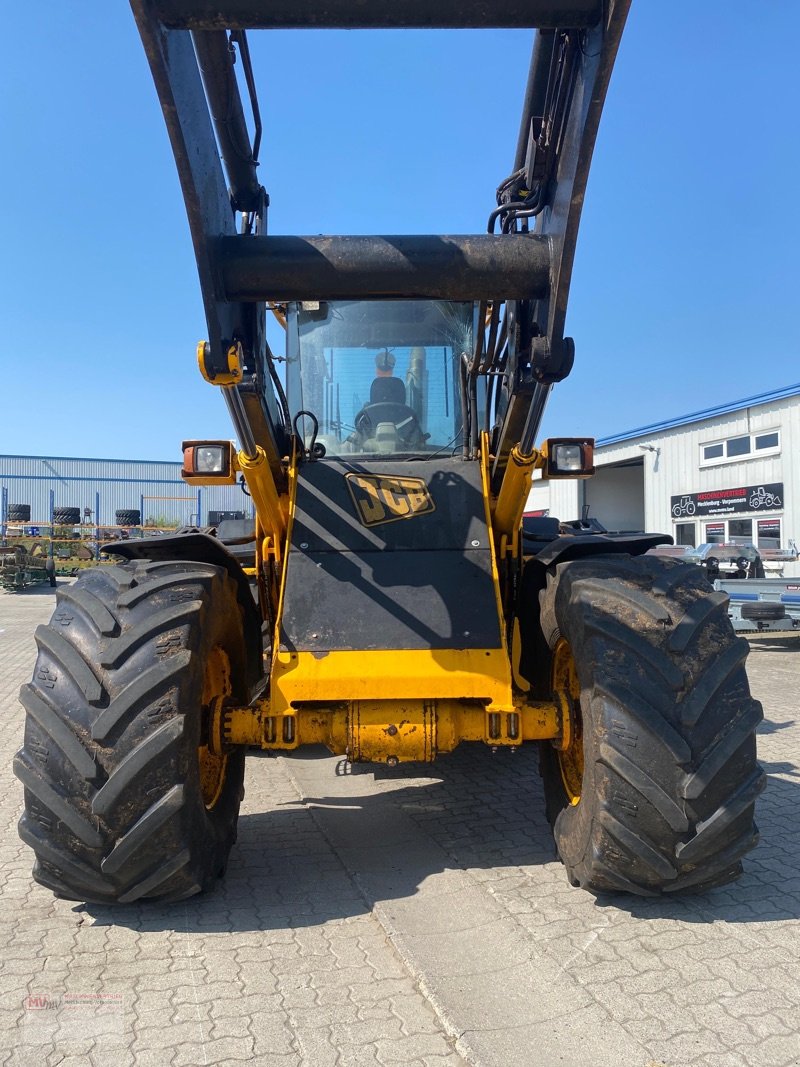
<point>380,376</point>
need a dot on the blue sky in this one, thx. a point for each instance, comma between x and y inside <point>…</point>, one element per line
<point>685,285</point>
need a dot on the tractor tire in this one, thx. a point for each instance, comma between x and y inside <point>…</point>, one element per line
<point>123,801</point>
<point>66,516</point>
<point>19,513</point>
<point>128,517</point>
<point>655,792</point>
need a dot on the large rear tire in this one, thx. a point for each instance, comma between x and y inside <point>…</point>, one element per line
<point>654,792</point>
<point>123,800</point>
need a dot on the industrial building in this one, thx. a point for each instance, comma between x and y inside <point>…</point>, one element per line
<point>729,473</point>
<point>101,487</point>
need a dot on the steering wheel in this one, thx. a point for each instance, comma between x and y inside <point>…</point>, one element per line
<point>404,419</point>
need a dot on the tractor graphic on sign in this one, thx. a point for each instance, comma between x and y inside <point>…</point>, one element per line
<point>761,498</point>
<point>685,506</point>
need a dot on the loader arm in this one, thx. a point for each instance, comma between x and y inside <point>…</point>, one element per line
<point>519,275</point>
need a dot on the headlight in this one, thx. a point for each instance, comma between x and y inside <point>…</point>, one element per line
<point>209,459</point>
<point>209,462</point>
<point>570,457</point>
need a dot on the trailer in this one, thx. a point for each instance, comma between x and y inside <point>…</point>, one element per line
<point>762,605</point>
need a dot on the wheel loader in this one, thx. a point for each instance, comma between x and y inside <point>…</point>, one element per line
<point>384,604</point>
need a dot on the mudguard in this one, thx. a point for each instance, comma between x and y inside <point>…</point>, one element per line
<point>563,549</point>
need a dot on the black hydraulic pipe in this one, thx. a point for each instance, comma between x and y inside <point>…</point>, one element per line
<point>511,267</point>
<point>214,57</point>
<point>376,14</point>
<point>535,91</point>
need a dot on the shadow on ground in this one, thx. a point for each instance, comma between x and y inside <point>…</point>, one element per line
<point>330,857</point>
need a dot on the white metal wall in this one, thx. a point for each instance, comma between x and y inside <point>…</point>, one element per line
<point>672,467</point>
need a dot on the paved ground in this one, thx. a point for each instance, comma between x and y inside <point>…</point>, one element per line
<point>390,919</point>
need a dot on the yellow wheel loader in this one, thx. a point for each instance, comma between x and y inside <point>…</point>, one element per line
<point>384,602</point>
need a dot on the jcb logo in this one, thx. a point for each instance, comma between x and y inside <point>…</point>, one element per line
<point>379,498</point>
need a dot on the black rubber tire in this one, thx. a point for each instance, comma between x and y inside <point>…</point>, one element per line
<point>670,773</point>
<point>19,513</point>
<point>128,517</point>
<point>114,808</point>
<point>763,610</point>
<point>66,516</point>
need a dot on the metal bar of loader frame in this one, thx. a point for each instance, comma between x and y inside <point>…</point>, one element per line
<point>509,267</point>
<point>377,14</point>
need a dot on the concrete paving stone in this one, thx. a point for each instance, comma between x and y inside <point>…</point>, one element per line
<point>380,1009</point>
<point>156,1037</point>
<point>316,1048</point>
<point>204,993</point>
<point>450,1060</point>
<point>272,1035</point>
<point>229,1026</point>
<point>222,1050</point>
<point>359,1057</point>
<point>327,996</point>
<point>725,1059</point>
<point>322,1017</point>
<point>366,1032</point>
<point>365,992</point>
<point>758,1002</point>
<point>771,1025</point>
<point>153,1058</point>
<point>686,1048</point>
<point>416,1015</point>
<point>404,1049</point>
<point>152,1017</point>
<point>247,1004</point>
<point>349,976</point>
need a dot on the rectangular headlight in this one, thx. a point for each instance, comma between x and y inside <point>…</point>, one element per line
<point>209,459</point>
<point>208,462</point>
<point>568,457</point>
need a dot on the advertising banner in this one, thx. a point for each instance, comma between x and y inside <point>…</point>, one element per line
<point>728,501</point>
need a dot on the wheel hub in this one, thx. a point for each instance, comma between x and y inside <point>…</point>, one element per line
<point>567,690</point>
<point>216,689</point>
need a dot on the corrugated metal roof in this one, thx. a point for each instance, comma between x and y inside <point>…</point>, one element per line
<point>705,413</point>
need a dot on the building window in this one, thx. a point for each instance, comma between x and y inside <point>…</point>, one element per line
<point>715,533</point>
<point>743,446</point>
<point>766,440</point>
<point>684,533</point>
<point>740,531</point>
<point>769,533</point>
<point>737,446</point>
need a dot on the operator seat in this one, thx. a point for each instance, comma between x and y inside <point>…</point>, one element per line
<point>387,404</point>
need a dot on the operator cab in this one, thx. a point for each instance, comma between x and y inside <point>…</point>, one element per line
<point>381,377</point>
